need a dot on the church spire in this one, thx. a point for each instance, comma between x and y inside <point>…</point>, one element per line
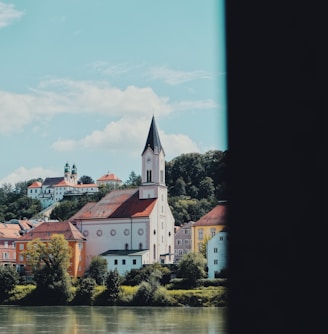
<point>153,140</point>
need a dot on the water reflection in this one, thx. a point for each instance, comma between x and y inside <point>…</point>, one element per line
<point>98,319</point>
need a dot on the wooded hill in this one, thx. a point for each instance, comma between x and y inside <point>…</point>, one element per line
<point>196,182</point>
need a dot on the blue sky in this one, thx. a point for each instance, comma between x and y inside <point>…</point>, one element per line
<point>80,81</point>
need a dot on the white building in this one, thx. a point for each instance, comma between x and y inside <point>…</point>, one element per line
<point>110,179</point>
<point>132,224</point>
<point>217,253</point>
<point>54,189</point>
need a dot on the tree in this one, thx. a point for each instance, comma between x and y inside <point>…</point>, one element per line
<point>113,284</point>
<point>134,180</point>
<point>191,267</point>
<point>85,180</point>
<point>85,291</point>
<point>98,269</point>
<point>50,261</point>
<point>9,278</point>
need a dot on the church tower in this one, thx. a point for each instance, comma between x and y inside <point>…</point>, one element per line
<point>153,165</point>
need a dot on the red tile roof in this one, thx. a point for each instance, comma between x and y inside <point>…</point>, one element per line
<point>46,229</point>
<point>109,177</point>
<point>9,231</point>
<point>120,203</point>
<point>35,184</point>
<point>217,216</point>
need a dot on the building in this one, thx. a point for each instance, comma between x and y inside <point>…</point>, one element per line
<point>217,258</point>
<point>130,221</point>
<point>183,241</point>
<point>44,231</point>
<point>54,189</point>
<point>209,225</point>
<point>10,232</point>
<point>110,179</point>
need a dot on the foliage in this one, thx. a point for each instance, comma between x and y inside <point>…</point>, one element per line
<point>85,180</point>
<point>136,276</point>
<point>203,246</point>
<point>151,293</point>
<point>134,180</point>
<point>54,254</point>
<point>15,204</point>
<point>191,267</point>
<point>49,262</point>
<point>98,269</point>
<point>20,294</point>
<point>8,280</point>
<point>113,284</point>
<point>85,291</point>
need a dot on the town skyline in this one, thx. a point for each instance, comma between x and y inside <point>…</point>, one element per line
<point>81,81</point>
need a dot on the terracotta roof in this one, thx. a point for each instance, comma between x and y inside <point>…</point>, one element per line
<point>109,177</point>
<point>35,184</point>
<point>120,203</point>
<point>217,216</point>
<point>9,231</point>
<point>46,229</point>
<point>64,183</point>
<point>89,185</point>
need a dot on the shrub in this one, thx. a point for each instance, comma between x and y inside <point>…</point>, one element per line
<point>8,280</point>
<point>98,269</point>
<point>85,291</point>
<point>113,284</point>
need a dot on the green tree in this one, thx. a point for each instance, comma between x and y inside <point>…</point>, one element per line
<point>49,262</point>
<point>8,280</point>
<point>85,179</point>
<point>191,267</point>
<point>113,285</point>
<point>85,291</point>
<point>98,269</point>
<point>134,180</point>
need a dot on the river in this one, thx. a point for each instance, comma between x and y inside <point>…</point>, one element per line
<point>107,319</point>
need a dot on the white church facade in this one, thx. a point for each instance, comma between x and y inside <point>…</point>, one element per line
<point>132,227</point>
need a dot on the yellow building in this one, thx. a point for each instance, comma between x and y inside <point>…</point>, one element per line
<point>44,232</point>
<point>208,226</point>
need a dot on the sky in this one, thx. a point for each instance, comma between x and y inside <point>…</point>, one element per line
<point>80,81</point>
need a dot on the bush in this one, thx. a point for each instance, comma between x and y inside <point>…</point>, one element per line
<point>98,270</point>
<point>113,284</point>
<point>9,278</point>
<point>85,291</point>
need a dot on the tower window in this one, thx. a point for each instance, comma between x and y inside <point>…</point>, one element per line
<point>148,175</point>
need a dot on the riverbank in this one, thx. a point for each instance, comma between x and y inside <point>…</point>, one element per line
<point>198,297</point>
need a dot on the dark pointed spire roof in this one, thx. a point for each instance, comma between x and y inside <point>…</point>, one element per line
<point>153,138</point>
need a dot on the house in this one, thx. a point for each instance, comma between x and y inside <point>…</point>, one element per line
<point>54,189</point>
<point>183,241</point>
<point>10,232</point>
<point>109,179</point>
<point>209,225</point>
<point>136,223</point>
<point>217,253</point>
<point>44,231</point>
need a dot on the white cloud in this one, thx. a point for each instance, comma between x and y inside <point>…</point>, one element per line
<point>8,14</point>
<point>57,96</point>
<point>22,174</point>
<point>173,77</point>
<point>128,134</point>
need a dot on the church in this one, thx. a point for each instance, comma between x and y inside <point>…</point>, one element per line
<point>132,227</point>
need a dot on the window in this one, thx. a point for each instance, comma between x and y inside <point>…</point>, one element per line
<point>162,176</point>
<point>215,261</point>
<point>140,245</point>
<point>186,241</point>
<point>21,258</point>
<point>221,238</point>
<point>213,232</point>
<point>148,175</point>
<point>6,244</point>
<point>215,250</point>
<point>200,234</point>
<point>134,261</point>
<point>80,246</point>
<point>170,253</point>
<point>115,262</point>
<point>126,246</point>
<point>21,246</point>
<point>5,255</point>
<point>123,261</point>
<point>179,242</point>
<point>154,250</point>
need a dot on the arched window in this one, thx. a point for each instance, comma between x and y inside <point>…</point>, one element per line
<point>170,253</point>
<point>126,246</point>
<point>140,245</point>
<point>154,252</point>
